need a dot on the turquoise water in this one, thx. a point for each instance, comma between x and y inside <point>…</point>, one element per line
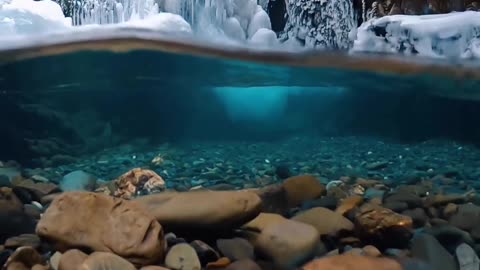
<point>82,103</point>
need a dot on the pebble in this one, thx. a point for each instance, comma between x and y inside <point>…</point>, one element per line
<point>325,221</point>
<point>205,253</point>
<point>425,247</point>
<point>182,257</point>
<point>236,249</point>
<point>467,258</point>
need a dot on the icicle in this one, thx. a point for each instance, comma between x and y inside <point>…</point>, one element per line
<point>364,11</point>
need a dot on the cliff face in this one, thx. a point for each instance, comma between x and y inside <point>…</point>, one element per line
<point>320,23</point>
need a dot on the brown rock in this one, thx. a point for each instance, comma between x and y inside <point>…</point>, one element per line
<point>205,252</point>
<point>182,257</point>
<point>17,266</point>
<point>32,211</point>
<point>29,240</point>
<point>13,219</point>
<point>105,261</point>
<point>49,198</point>
<point>367,183</point>
<point>55,260</point>
<point>371,251</point>
<point>38,190</point>
<point>236,249</point>
<point>153,267</point>
<point>137,180</point>
<point>71,259</point>
<point>243,265</point>
<point>325,221</point>
<point>348,204</point>
<point>352,262</point>
<point>219,264</point>
<point>383,226</point>
<point>27,256</point>
<point>137,236</point>
<point>274,199</point>
<point>440,199</point>
<point>40,267</point>
<point>262,221</point>
<point>200,209</point>
<point>286,243</point>
<point>449,210</point>
<point>303,188</point>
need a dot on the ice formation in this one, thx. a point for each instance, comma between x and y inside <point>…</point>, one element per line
<point>321,23</point>
<point>31,17</point>
<point>446,35</point>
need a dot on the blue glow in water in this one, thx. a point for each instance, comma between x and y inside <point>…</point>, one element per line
<point>255,103</point>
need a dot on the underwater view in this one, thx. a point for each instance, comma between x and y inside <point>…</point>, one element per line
<point>239,135</point>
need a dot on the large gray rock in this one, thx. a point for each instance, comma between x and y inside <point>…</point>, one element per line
<point>425,247</point>
<point>78,181</point>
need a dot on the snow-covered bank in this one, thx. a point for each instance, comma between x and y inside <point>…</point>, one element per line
<point>447,35</point>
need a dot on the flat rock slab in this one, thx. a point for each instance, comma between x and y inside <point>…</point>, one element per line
<point>202,209</point>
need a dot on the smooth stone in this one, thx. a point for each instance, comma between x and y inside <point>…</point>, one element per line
<point>449,210</point>
<point>182,257</point>
<point>371,251</point>
<point>55,260</point>
<point>352,262</point>
<point>325,202</point>
<point>287,242</point>
<point>396,206</point>
<point>5,181</point>
<point>418,215</point>
<point>236,249</point>
<point>71,259</point>
<point>425,247</point>
<point>137,236</point>
<point>467,217</point>
<point>153,267</point>
<point>303,188</point>
<point>450,236</point>
<point>32,211</point>
<point>29,240</point>
<point>382,226</point>
<point>105,261</point>
<point>27,256</point>
<point>244,264</point>
<point>219,264</point>
<point>78,181</point>
<point>349,204</point>
<point>325,221</point>
<point>205,252</point>
<point>13,220</point>
<point>37,190</point>
<point>467,258</point>
<point>274,199</point>
<point>412,200</point>
<point>200,209</point>
<point>371,193</point>
<point>262,221</point>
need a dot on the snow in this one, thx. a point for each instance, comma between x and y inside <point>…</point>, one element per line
<point>264,37</point>
<point>165,22</point>
<point>259,20</point>
<point>25,17</point>
<point>438,36</point>
<point>233,29</point>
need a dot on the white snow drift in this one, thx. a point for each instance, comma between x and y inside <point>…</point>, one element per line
<point>447,35</point>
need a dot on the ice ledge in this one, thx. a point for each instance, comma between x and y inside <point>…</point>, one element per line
<point>441,36</point>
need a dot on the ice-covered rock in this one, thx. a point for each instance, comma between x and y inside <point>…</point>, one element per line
<point>233,29</point>
<point>26,17</point>
<point>259,20</point>
<point>321,23</point>
<point>445,35</point>
<point>166,22</point>
<point>264,37</point>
